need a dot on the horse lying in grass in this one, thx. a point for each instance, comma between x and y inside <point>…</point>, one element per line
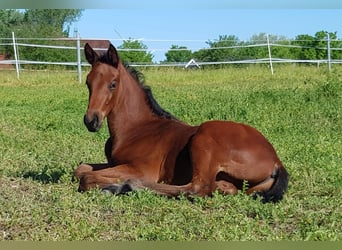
<point>149,148</point>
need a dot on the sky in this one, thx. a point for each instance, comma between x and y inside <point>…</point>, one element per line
<point>160,28</point>
<point>162,23</point>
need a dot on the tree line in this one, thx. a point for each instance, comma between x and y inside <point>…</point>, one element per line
<point>230,48</point>
<point>56,23</point>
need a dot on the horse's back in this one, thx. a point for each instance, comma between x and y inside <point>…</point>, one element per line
<point>233,134</point>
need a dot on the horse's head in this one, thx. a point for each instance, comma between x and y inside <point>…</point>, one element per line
<point>102,81</point>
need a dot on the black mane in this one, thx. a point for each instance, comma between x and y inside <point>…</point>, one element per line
<point>139,77</point>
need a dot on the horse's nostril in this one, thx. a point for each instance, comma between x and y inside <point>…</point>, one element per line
<point>92,124</point>
<point>87,122</point>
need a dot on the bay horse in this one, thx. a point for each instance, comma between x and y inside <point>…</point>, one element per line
<point>150,148</point>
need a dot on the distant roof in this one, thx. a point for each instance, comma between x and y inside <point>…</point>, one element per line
<point>192,64</point>
<point>2,65</point>
<point>96,44</point>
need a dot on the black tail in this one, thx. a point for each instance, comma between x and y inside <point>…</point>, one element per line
<point>279,187</point>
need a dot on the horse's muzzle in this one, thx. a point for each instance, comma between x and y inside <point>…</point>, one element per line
<point>93,124</point>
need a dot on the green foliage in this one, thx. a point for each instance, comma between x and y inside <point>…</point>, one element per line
<point>9,19</point>
<point>217,51</point>
<point>315,47</point>
<point>39,23</point>
<point>262,51</point>
<point>229,48</point>
<point>134,51</point>
<point>45,54</point>
<point>307,52</point>
<point>42,140</point>
<point>178,54</point>
<point>218,54</point>
<point>43,21</point>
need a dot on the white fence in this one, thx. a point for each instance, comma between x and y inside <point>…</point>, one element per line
<point>15,43</point>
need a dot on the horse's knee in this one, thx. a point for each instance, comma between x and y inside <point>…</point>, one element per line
<point>81,170</point>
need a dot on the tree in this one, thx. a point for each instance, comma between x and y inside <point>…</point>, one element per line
<point>337,44</point>
<point>50,22</point>
<point>134,51</point>
<point>39,23</point>
<point>178,54</point>
<point>315,47</point>
<point>9,19</point>
<point>262,51</point>
<point>307,50</point>
<point>221,49</point>
<point>321,39</point>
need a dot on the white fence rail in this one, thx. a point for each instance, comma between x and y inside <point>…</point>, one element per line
<point>15,43</point>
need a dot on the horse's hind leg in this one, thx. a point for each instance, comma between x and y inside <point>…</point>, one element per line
<point>205,165</point>
<point>261,187</point>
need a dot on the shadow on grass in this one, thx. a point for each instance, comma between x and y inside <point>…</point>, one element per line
<point>45,175</point>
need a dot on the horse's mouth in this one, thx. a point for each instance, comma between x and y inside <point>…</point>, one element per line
<point>93,124</point>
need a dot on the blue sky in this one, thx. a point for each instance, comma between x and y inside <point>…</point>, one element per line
<point>170,4</point>
<point>201,20</point>
<point>199,25</point>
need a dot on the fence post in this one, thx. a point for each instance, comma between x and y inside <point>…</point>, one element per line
<point>79,65</point>
<point>329,52</point>
<point>269,52</point>
<point>15,55</point>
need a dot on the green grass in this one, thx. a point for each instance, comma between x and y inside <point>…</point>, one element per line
<point>42,140</point>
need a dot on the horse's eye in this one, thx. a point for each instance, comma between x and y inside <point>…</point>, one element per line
<point>112,85</point>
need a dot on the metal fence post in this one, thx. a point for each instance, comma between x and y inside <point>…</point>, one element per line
<point>79,63</point>
<point>15,55</point>
<point>329,51</point>
<point>269,52</point>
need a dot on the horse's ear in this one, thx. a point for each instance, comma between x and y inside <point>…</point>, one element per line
<point>90,54</point>
<point>113,56</point>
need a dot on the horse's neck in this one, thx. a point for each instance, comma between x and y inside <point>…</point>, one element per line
<point>131,108</point>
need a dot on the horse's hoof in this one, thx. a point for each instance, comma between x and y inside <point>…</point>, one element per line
<point>111,189</point>
<point>125,188</point>
<point>117,189</point>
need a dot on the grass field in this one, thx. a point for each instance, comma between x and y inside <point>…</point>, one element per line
<point>42,140</point>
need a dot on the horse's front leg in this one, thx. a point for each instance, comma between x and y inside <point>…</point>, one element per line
<point>108,176</point>
<point>87,167</point>
<point>108,150</point>
<point>84,168</point>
